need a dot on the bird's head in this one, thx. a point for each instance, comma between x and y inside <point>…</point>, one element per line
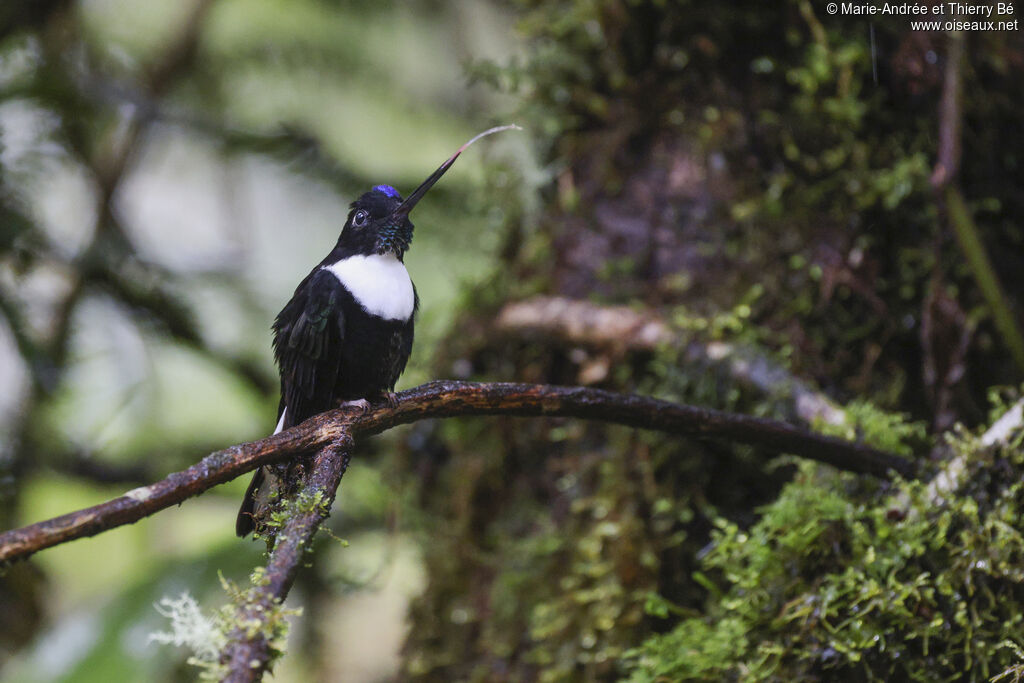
<point>378,222</point>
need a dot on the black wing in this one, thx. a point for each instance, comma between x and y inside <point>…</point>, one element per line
<point>308,337</point>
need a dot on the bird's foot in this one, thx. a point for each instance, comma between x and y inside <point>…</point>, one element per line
<point>361,406</point>
<point>391,398</point>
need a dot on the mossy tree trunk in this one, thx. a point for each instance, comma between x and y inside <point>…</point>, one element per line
<point>757,176</point>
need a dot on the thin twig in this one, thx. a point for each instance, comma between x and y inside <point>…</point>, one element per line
<point>450,399</point>
<point>947,163</point>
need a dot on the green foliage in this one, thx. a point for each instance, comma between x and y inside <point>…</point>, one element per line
<point>840,582</point>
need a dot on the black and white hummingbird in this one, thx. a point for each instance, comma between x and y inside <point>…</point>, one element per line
<point>347,332</point>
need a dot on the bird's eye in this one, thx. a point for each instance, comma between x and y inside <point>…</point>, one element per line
<point>360,218</point>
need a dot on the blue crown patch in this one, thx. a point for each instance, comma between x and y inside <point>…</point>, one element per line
<point>387,189</point>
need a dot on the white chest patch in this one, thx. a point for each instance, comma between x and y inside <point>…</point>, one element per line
<point>380,283</point>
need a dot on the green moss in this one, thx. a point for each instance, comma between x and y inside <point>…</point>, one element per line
<point>284,508</point>
<point>247,613</point>
<point>842,583</point>
<point>885,431</point>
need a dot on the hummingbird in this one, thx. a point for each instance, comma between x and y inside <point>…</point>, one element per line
<point>347,332</point>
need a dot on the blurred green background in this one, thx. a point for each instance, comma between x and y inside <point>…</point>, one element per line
<point>234,168</point>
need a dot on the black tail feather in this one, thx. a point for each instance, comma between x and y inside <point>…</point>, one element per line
<point>245,522</point>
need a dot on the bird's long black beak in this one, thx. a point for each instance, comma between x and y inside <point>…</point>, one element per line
<point>405,207</point>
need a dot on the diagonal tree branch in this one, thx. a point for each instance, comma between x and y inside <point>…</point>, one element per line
<point>450,399</point>
<point>250,649</point>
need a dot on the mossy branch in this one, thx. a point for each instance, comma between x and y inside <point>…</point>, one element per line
<point>450,399</point>
<point>251,644</point>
